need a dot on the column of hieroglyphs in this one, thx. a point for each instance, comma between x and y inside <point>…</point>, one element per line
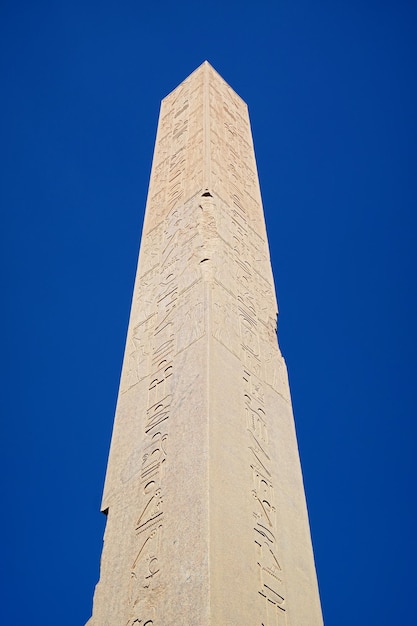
<point>244,313</point>
<point>167,316</point>
<point>206,514</point>
<point>244,321</point>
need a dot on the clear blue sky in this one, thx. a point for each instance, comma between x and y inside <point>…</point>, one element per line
<point>331,88</point>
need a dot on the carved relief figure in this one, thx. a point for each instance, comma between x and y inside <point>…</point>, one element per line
<point>192,325</point>
<point>224,327</point>
<point>138,353</point>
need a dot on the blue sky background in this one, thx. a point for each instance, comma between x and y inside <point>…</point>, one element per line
<point>331,88</point>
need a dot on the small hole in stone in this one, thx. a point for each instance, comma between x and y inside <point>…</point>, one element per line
<point>206,194</point>
<point>204,260</point>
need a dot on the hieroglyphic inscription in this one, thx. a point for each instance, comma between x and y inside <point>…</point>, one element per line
<point>177,170</point>
<point>145,567</point>
<point>271,578</point>
<point>271,583</point>
<point>243,313</point>
<point>178,321</point>
<point>180,162</point>
<point>231,144</point>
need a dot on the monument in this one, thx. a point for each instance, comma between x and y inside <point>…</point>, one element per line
<point>206,516</point>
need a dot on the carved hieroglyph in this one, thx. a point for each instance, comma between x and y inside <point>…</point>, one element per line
<point>207,521</point>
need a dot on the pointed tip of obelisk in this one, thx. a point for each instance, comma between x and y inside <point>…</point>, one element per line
<point>205,64</point>
<point>208,70</point>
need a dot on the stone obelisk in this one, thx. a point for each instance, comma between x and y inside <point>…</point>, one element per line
<point>206,515</point>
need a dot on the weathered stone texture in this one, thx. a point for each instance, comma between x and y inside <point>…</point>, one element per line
<point>207,521</point>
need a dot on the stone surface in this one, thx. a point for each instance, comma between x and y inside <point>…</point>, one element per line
<point>207,521</point>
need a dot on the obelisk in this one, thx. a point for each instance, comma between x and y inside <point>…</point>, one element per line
<point>206,515</point>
